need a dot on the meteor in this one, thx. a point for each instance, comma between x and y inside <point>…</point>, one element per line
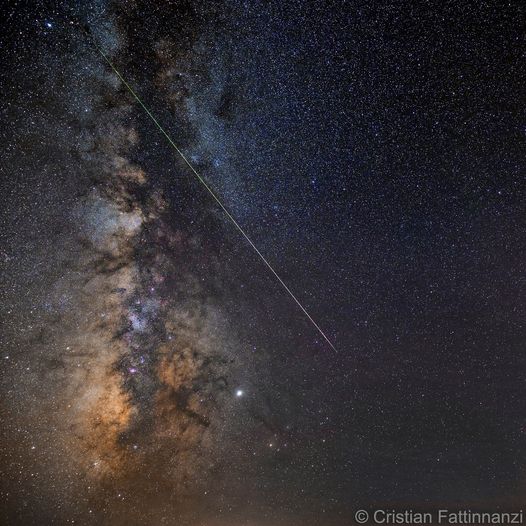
<point>207,187</point>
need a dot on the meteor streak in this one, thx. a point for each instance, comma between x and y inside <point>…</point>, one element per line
<point>210,191</point>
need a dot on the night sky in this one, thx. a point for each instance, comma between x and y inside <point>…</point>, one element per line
<point>153,371</point>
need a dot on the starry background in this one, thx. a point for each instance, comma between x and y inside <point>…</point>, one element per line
<point>153,371</point>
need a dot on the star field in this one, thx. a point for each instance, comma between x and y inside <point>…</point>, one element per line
<point>153,370</point>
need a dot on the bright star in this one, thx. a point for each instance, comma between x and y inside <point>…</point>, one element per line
<point>239,393</point>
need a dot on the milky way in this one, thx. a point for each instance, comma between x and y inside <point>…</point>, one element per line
<point>153,370</point>
<point>137,359</point>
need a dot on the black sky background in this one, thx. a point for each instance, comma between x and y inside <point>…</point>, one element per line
<point>375,154</point>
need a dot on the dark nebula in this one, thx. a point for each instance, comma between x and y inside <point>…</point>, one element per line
<point>153,370</point>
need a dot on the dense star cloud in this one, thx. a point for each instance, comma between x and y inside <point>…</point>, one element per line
<point>153,371</point>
